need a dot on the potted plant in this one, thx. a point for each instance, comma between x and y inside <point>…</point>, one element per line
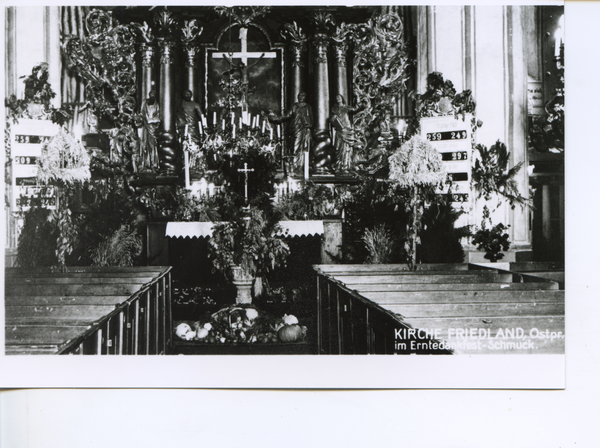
<point>492,240</point>
<point>245,249</point>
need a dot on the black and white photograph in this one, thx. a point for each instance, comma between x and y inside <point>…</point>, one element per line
<point>219,181</point>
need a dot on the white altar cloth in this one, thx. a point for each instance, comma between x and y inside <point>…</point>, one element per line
<point>204,229</point>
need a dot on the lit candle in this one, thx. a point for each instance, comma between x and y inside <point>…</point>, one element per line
<point>187,169</point>
<point>306,165</point>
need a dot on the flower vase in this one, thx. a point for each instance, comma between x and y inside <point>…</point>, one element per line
<point>243,283</point>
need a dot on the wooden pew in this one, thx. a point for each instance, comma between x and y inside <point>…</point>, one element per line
<point>49,313</point>
<point>450,304</point>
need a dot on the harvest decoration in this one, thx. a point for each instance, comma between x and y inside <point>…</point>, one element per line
<point>242,324</point>
<point>416,166</point>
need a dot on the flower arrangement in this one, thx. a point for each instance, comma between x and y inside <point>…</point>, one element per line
<point>251,242</point>
<point>492,240</point>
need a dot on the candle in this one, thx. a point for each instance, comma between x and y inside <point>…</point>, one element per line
<point>185,132</point>
<point>278,131</point>
<point>200,127</point>
<point>306,165</point>
<point>223,124</point>
<point>211,189</point>
<point>214,118</point>
<point>204,121</point>
<point>232,118</point>
<point>271,131</point>
<point>187,169</point>
<point>263,126</point>
<point>234,130</point>
<point>241,122</point>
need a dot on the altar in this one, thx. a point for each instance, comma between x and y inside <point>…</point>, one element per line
<point>329,230</point>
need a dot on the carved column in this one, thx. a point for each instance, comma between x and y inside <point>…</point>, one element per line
<point>321,157</point>
<point>168,140</point>
<point>340,70</point>
<point>191,71</point>
<point>190,32</point>
<point>147,53</point>
<point>297,41</point>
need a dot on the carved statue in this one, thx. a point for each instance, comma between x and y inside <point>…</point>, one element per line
<point>344,141</point>
<point>189,113</point>
<point>149,142</point>
<point>302,116</point>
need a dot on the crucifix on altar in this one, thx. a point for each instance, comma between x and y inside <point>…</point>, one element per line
<point>245,170</point>
<point>242,66</point>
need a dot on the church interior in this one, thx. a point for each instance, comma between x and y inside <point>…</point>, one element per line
<point>284,179</point>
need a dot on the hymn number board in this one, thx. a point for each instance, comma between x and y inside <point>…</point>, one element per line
<point>451,137</point>
<point>28,137</point>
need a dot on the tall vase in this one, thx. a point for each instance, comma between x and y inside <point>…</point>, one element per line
<point>243,283</point>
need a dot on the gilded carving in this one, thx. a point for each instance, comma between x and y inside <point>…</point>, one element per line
<point>297,39</point>
<point>190,55</point>
<point>321,42</point>
<point>167,49</point>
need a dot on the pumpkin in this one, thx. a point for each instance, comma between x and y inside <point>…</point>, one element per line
<point>290,333</point>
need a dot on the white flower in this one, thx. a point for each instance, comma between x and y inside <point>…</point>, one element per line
<point>290,320</point>
<point>251,313</point>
